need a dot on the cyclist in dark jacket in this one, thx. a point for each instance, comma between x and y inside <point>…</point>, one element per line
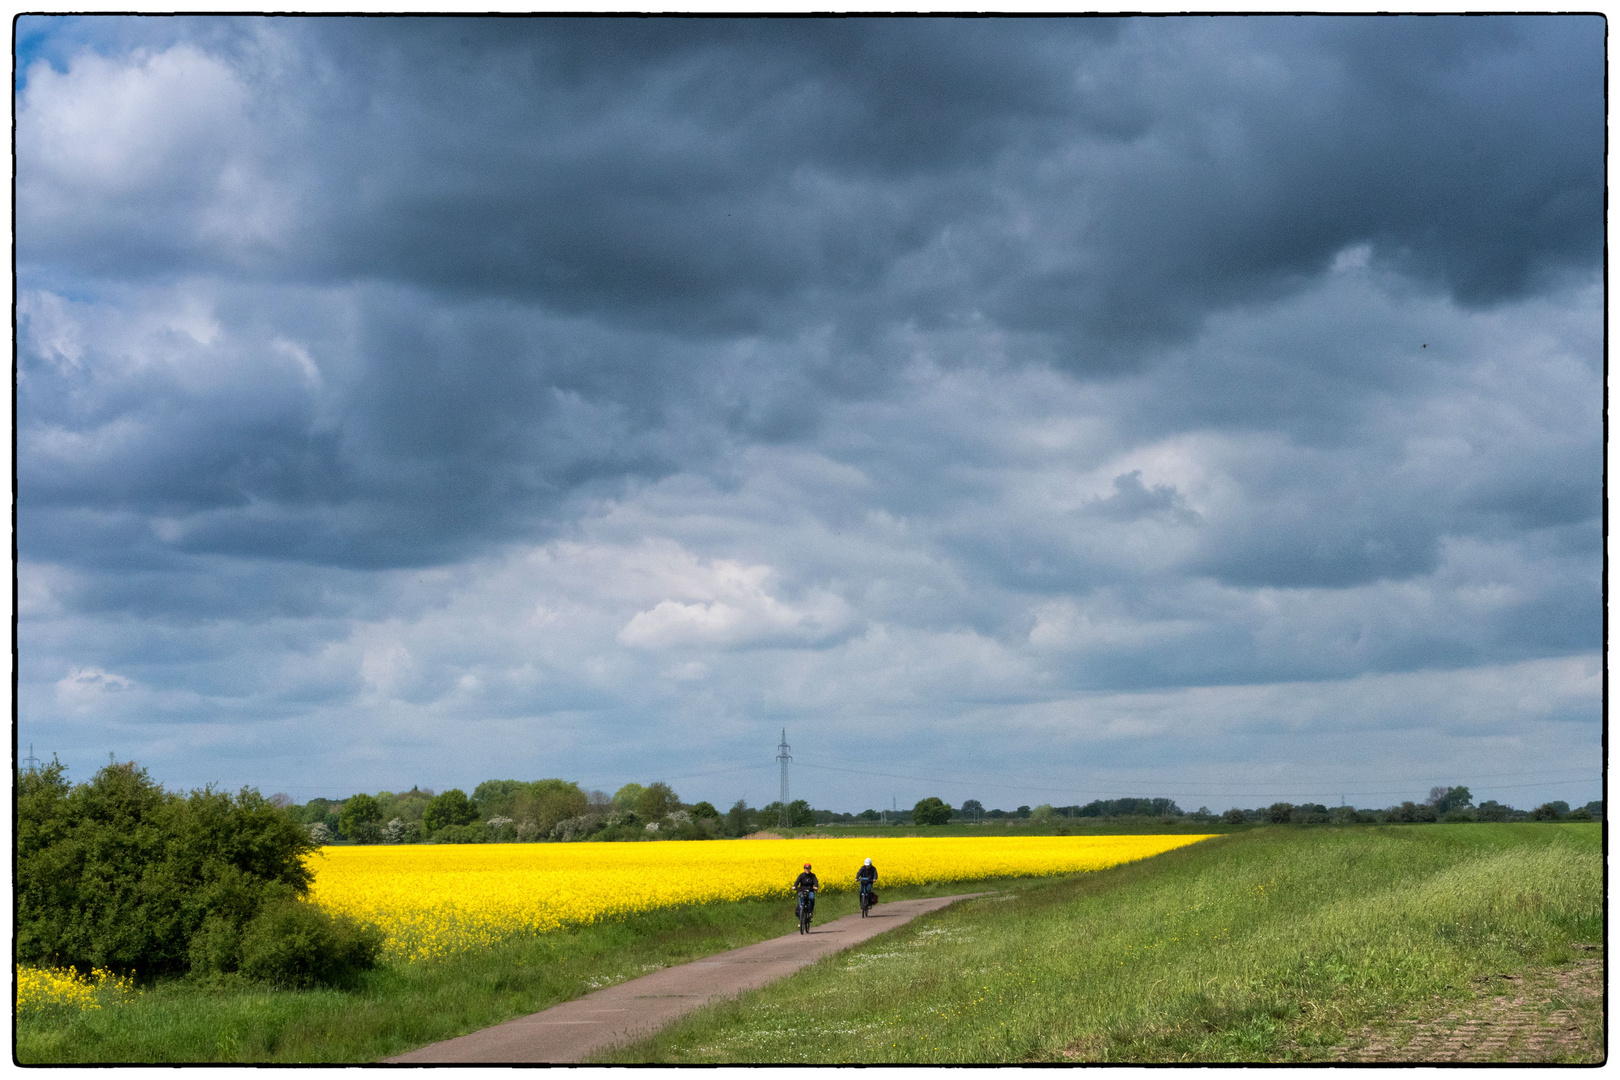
<point>806,880</point>
<point>867,875</point>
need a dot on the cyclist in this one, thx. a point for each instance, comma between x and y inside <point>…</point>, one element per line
<point>867,877</point>
<point>806,885</point>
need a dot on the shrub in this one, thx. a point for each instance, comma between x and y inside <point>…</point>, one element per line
<point>462,834</point>
<point>577,828</point>
<point>119,874</point>
<point>402,832</point>
<point>1234,816</point>
<point>294,944</point>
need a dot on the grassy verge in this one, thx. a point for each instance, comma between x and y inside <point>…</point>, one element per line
<point>1265,946</point>
<point>398,1009</point>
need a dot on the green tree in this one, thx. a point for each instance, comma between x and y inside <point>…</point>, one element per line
<point>1279,813</point>
<point>705,809</point>
<point>800,815</point>
<point>738,819</point>
<point>656,801</point>
<point>550,801</point>
<point>1445,799</point>
<point>625,798</point>
<point>931,811</point>
<point>496,798</point>
<point>361,820</point>
<point>448,808</point>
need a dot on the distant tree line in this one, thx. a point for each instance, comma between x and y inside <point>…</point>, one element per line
<point>508,811</point>
<point>1444,804</point>
<point>515,811</point>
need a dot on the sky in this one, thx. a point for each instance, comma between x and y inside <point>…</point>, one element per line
<point>1019,410</point>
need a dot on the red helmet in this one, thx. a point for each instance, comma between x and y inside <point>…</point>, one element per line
<point>807,866</point>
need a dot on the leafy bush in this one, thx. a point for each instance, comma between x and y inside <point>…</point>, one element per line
<point>293,943</point>
<point>463,834</point>
<point>119,874</point>
<point>577,828</point>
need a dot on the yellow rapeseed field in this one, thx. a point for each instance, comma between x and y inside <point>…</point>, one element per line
<point>52,989</point>
<point>437,899</point>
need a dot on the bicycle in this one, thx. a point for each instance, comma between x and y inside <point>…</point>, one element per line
<point>868,897</point>
<point>806,907</point>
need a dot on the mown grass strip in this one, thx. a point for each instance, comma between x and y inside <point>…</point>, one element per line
<point>1266,946</point>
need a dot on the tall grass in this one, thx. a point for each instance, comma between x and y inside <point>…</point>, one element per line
<point>1268,945</point>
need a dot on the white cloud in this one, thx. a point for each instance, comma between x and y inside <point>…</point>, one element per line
<point>83,687</point>
<point>725,603</point>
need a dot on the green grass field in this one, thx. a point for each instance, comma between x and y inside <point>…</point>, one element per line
<point>1267,946</point>
<point>1264,945</point>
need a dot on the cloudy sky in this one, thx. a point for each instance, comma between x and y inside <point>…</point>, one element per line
<point>1014,410</point>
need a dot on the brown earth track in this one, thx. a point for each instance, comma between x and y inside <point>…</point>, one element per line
<point>1550,1015</point>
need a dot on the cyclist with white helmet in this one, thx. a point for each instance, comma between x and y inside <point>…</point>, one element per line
<point>866,876</point>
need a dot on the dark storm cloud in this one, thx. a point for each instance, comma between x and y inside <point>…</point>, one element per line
<point>585,373</point>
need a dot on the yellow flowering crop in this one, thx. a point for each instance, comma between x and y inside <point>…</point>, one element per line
<point>55,989</point>
<point>436,899</point>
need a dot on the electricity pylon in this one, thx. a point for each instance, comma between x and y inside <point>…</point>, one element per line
<point>782,755</point>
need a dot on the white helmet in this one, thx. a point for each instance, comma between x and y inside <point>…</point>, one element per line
<point>868,862</point>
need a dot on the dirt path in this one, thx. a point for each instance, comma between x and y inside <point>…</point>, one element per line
<point>1554,1015</point>
<point>575,1029</point>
